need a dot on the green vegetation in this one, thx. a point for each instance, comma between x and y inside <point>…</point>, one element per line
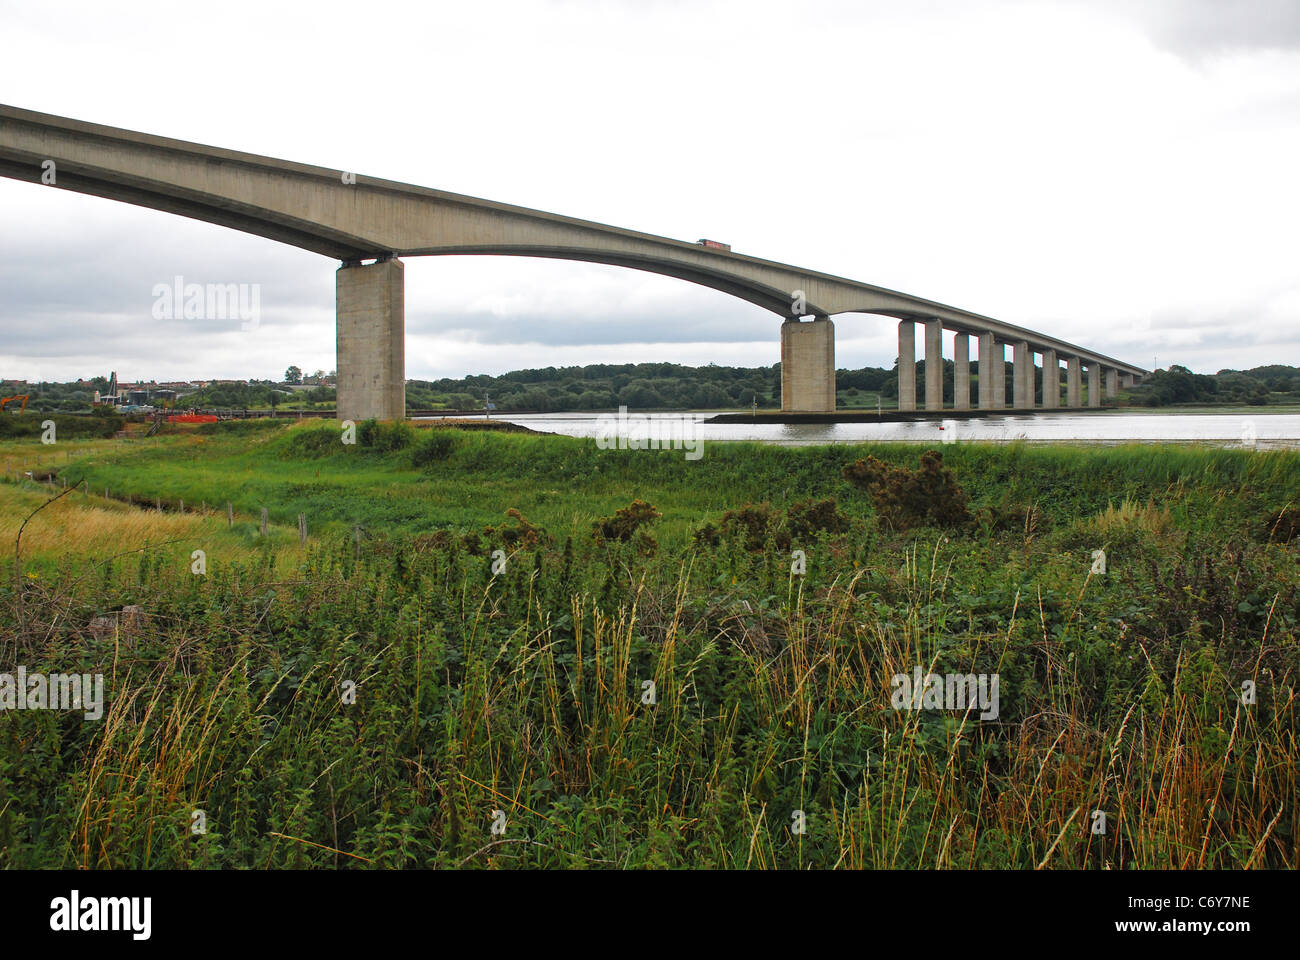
<point>671,386</point>
<point>526,688</point>
<point>1273,384</point>
<point>102,423</point>
<point>606,386</point>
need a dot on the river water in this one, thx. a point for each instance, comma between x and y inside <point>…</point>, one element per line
<point>1261,430</point>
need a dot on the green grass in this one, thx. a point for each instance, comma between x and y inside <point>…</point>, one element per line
<point>521,690</point>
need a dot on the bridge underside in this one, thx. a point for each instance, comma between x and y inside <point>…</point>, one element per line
<point>352,218</point>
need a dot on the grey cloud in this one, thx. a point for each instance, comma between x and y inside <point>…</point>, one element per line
<point>1200,27</point>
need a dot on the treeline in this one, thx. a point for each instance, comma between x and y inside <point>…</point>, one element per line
<point>254,395</point>
<point>672,386</point>
<point>603,386</point>
<point>1275,383</point>
<point>46,397</point>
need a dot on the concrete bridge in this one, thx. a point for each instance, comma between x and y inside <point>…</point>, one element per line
<point>368,224</point>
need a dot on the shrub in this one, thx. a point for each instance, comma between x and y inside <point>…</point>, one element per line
<point>239,427</point>
<point>385,437</point>
<point>625,523</point>
<point>315,442</point>
<point>807,517</point>
<point>752,521</point>
<point>524,533</point>
<point>906,498</point>
<point>436,448</point>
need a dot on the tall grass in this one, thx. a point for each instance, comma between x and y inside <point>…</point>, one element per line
<point>525,691</point>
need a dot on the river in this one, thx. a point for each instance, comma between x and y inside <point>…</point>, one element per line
<point>1248,429</point>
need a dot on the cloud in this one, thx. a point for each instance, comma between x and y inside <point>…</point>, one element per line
<point>1200,27</point>
<point>1037,162</point>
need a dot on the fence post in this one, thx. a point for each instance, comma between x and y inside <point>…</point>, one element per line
<point>264,521</point>
<point>302,528</point>
<point>230,514</point>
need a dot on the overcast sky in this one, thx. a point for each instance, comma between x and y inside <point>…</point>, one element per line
<point>1124,175</point>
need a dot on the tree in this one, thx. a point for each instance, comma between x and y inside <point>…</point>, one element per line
<point>293,375</point>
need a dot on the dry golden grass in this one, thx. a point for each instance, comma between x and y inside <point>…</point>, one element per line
<point>1131,515</point>
<point>81,525</point>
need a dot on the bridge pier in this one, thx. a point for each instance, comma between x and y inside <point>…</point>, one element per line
<point>906,365</point>
<point>371,341</point>
<point>808,366</point>
<point>1023,397</point>
<point>1112,383</point>
<point>987,376</point>
<point>961,372</point>
<point>1000,377</point>
<point>1073,382</point>
<point>1051,380</point>
<point>1094,385</point>
<point>934,365</point>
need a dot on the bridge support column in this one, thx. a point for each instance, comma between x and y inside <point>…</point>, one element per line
<point>1094,385</point>
<point>934,365</point>
<point>371,341</point>
<point>961,372</point>
<point>808,366</point>
<point>1073,383</point>
<point>906,365</point>
<point>989,370</point>
<point>1023,397</point>
<point>1112,383</point>
<point>1051,380</point>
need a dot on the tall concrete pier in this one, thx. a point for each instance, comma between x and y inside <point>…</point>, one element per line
<point>961,372</point>
<point>807,366</point>
<point>989,348</point>
<point>371,330</point>
<point>1051,380</point>
<point>906,365</point>
<point>934,365</point>
<point>1024,360</point>
<point>1073,383</point>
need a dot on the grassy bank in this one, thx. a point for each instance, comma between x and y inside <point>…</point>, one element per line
<point>383,696</point>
